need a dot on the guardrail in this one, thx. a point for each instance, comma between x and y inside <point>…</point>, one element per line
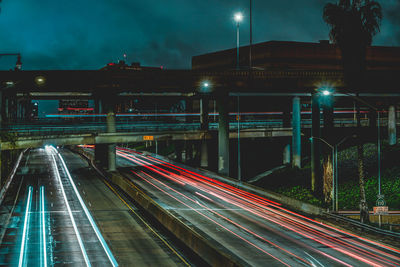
<point>365,227</point>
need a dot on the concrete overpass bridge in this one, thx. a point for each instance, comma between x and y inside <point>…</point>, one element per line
<point>289,92</point>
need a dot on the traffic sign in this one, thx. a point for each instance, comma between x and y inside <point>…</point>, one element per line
<point>381,210</point>
<point>148,138</point>
<point>380,202</point>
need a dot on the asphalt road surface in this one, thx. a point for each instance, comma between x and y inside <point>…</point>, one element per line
<point>258,231</point>
<point>63,214</point>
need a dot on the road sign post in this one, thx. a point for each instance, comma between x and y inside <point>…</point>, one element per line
<point>381,208</point>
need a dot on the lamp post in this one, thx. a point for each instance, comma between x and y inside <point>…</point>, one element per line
<point>333,169</point>
<point>379,137</point>
<point>238,132</point>
<point>238,18</point>
<point>379,154</point>
<point>251,36</point>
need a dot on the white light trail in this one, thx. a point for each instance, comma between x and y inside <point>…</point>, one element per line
<point>43,228</point>
<point>27,214</point>
<point>78,236</point>
<point>89,216</point>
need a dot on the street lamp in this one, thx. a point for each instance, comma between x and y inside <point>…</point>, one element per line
<point>379,136</point>
<point>326,92</point>
<point>238,18</point>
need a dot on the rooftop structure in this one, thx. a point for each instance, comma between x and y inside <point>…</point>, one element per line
<point>285,55</point>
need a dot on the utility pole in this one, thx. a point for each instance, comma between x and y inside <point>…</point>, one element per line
<point>251,35</point>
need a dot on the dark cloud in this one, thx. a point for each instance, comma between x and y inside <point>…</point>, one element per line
<point>391,27</point>
<point>88,34</point>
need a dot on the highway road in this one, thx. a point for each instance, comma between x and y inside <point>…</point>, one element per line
<point>63,214</point>
<point>258,231</point>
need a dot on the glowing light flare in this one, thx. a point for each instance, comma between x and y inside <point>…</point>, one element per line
<point>21,260</point>
<point>326,92</point>
<point>238,17</point>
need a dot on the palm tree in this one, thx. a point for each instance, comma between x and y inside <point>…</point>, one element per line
<point>353,25</point>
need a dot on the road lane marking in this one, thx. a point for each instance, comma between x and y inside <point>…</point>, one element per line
<point>24,238</point>
<point>88,215</point>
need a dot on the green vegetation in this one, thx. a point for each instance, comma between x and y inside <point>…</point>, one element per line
<point>295,182</point>
<point>8,137</point>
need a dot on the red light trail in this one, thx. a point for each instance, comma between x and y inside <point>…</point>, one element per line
<point>256,222</point>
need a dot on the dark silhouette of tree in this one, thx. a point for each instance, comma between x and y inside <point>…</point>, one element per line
<point>353,25</point>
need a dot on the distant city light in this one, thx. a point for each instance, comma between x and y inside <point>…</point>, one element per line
<point>206,84</point>
<point>238,17</point>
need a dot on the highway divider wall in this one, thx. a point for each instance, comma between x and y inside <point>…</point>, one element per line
<point>208,249</point>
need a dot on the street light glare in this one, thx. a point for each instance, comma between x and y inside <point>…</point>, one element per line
<point>238,17</point>
<point>206,84</point>
<point>326,92</point>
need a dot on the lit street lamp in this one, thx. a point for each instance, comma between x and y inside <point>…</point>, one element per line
<point>238,18</point>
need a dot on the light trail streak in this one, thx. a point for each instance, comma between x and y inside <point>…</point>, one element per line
<point>24,239</point>
<point>204,179</point>
<point>225,218</point>
<point>137,161</point>
<point>43,229</point>
<point>78,236</point>
<point>88,215</point>
<point>315,223</point>
<point>220,225</point>
<point>309,228</point>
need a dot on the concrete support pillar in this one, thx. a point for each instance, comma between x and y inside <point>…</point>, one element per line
<point>286,154</point>
<point>112,157</point>
<point>204,110</point>
<point>223,135</point>
<point>204,154</point>
<point>392,135</point>
<point>316,180</point>
<point>111,128</point>
<point>296,135</point>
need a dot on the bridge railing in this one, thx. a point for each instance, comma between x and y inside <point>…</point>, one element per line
<point>54,127</point>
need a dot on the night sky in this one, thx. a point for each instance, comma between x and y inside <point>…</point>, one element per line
<point>87,34</point>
